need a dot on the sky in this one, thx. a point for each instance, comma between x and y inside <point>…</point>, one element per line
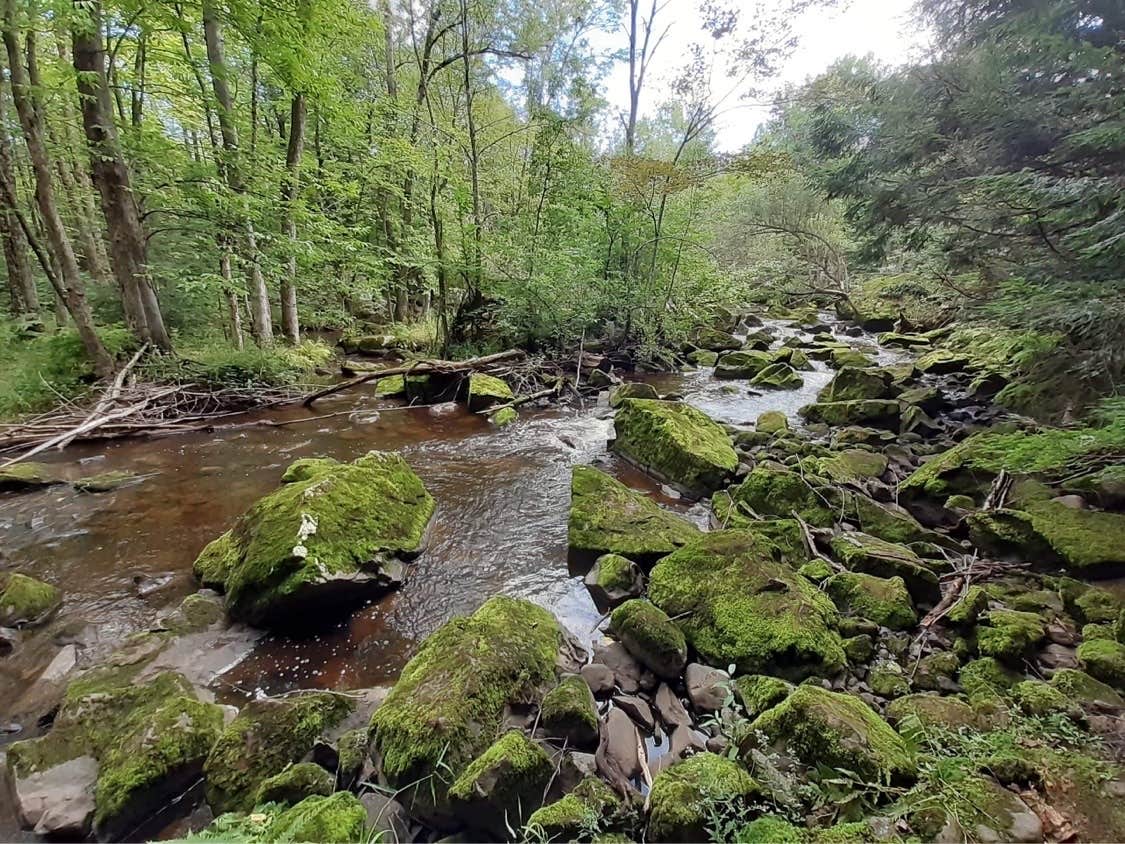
<point>881,27</point>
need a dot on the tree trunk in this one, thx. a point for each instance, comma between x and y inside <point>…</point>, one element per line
<point>21,283</point>
<point>71,288</point>
<point>233,312</point>
<point>128,245</point>
<point>289,186</point>
<point>262,319</point>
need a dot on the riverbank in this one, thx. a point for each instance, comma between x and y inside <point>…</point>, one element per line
<point>501,525</point>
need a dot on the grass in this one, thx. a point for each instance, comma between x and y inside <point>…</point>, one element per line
<point>216,363</point>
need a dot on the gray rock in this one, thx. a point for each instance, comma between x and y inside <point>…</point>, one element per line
<point>1055,656</point>
<point>618,758</point>
<point>707,687</point>
<point>630,675</point>
<point>598,677</point>
<point>684,738</point>
<point>638,710</point>
<point>669,708</point>
<point>58,802</point>
<point>387,816</point>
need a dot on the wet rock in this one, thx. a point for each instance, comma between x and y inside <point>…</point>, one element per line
<point>852,384</point>
<point>881,413</point>
<point>599,678</point>
<point>503,417</point>
<point>707,687</point>
<point>25,601</point>
<point>681,794</point>
<point>632,390</point>
<point>737,605</point>
<point>617,756</point>
<point>386,817</point>
<point>671,711</point>
<point>716,341</point>
<point>58,801</point>
<point>105,482</point>
<point>502,786</point>
<point>24,476</point>
<point>606,517</point>
<point>567,819</point>
<point>929,399</point>
<point>450,699</point>
<point>613,580</point>
<point>602,380</point>
<point>675,442</point>
<point>702,357</point>
<point>885,601</point>
<point>818,726</point>
<point>843,356</point>
<point>267,736</point>
<point>335,533</point>
<point>637,709</point>
<point>651,637</point>
<point>628,674</point>
<point>942,362</point>
<point>486,391</point>
<point>568,712</point>
<point>778,376</point>
<point>916,421</point>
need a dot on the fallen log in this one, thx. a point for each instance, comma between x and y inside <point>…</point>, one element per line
<point>422,367</point>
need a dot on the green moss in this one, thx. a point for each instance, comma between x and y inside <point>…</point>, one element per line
<point>1104,659</point>
<point>778,376</point>
<point>841,357</point>
<point>877,412</point>
<point>1038,698</point>
<point>737,605</point>
<point>615,572</point>
<point>859,649</point>
<point>650,636</point>
<point>845,832</point>
<point>887,679</point>
<point>1086,540</point>
<point>504,417</point>
<point>743,364</point>
<point>676,442</point>
<point>932,711</point>
<point>295,783</point>
<point>1081,688</point>
<point>1097,631</point>
<point>487,390</point>
<point>25,475</point>
<point>885,521</point>
<point>337,520</point>
<point>770,829</point>
<point>935,669</point>
<point>871,555</point>
<point>818,726</point>
<point>883,600</point>
<point>968,608</point>
<point>1009,634</point>
<point>194,614</point>
<point>585,809</point>
<point>817,571</point>
<point>569,712</point>
<point>503,785</point>
<point>25,600</point>
<point>986,678</point>
<point>852,384</point>
<point>352,750</point>
<point>759,692</point>
<point>1098,606</point>
<point>104,482</point>
<point>852,466</point>
<point>771,422</point>
<point>702,357</point>
<point>450,698</point>
<point>684,796</point>
<point>265,738</point>
<point>216,561</point>
<point>606,517</point>
<point>336,819</point>
<point>777,492</point>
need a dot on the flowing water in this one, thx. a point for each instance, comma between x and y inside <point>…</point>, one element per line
<point>500,526</point>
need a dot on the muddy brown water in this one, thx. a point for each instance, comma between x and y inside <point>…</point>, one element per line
<point>500,527</point>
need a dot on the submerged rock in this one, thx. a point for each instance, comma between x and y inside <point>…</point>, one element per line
<point>676,442</point>
<point>24,476</point>
<point>105,482</point>
<point>737,604</point>
<point>450,699</point>
<point>25,601</point>
<point>606,517</point>
<point>335,533</point>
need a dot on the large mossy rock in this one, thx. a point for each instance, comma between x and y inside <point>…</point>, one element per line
<point>116,754</point>
<point>568,712</point>
<point>780,492</point>
<point>632,390</point>
<point>852,466</point>
<point>879,413</point>
<point>267,737</point>
<point>675,442</point>
<point>818,726</point>
<point>681,797</point>
<point>715,340</point>
<point>606,517</point>
<point>853,384</point>
<point>861,552</point>
<point>744,364</point>
<point>502,787</point>
<point>586,807</point>
<point>885,601</point>
<point>487,390</point>
<point>737,604</point>
<point>651,637</point>
<point>25,601</point>
<point>449,702</point>
<point>336,819</point>
<point>778,376</point>
<point>334,533</point>
<point>887,521</point>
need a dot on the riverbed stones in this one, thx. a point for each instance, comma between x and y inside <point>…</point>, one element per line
<point>486,391</point>
<point>778,376</point>
<point>114,757</point>
<point>651,637</point>
<point>25,601</point>
<point>449,702</point>
<point>853,466</point>
<point>618,758</point>
<point>879,413</point>
<point>682,793</point>
<point>737,605</point>
<point>707,687</point>
<point>333,534</point>
<point>715,340</point>
<point>677,443</point>
<point>606,517</point>
<point>851,384</point>
<point>743,364</point>
<point>632,390</point>
<point>771,422</point>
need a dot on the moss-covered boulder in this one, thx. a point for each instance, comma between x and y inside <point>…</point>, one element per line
<point>1010,635</point>
<point>1104,659</point>
<point>852,466</point>
<point>879,413</point>
<point>606,517</point>
<point>852,384</point>
<point>685,795</point>
<point>744,364</point>
<point>613,580</point>
<point>871,555</point>
<point>568,712</point>
<point>817,726</point>
<point>676,442</point>
<point>714,340</point>
<point>268,736</point>
<point>500,789</point>
<point>771,422</point>
<point>882,600</point>
<point>651,637</point>
<point>334,533</point>
<point>449,701</point>
<point>702,357</point>
<point>336,819</point>
<point>120,750</point>
<point>759,692</point>
<point>886,521</point>
<point>942,362</point>
<point>987,678</point>
<point>632,390</point>
<point>738,605</point>
<point>26,475</point>
<point>932,710</point>
<point>585,808</point>
<point>25,601</point>
<point>778,376</point>
<point>487,390</point>
<point>296,783</point>
<point>1084,690</point>
<point>1087,541</point>
<point>779,492</point>
<point>1040,699</point>
<point>846,356</point>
